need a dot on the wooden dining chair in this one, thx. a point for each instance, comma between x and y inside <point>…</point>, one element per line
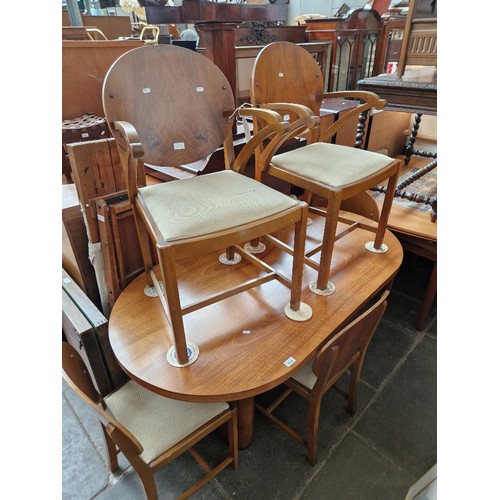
<point>286,78</point>
<point>167,105</point>
<point>149,429</point>
<point>346,351</point>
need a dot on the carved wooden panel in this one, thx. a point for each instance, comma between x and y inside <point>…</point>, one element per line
<point>422,45</point>
<point>420,36</point>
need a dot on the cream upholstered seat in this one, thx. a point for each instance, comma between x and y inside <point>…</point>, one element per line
<point>172,118</point>
<point>332,165</point>
<point>150,430</point>
<point>286,78</point>
<point>345,351</point>
<point>157,422</point>
<point>215,202</point>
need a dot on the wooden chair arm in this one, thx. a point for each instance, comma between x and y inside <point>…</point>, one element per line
<point>256,143</point>
<point>368,97</point>
<point>367,102</point>
<point>269,116</point>
<point>299,109</point>
<point>131,150</point>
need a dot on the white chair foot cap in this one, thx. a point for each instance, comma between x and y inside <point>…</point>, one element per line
<point>230,262</point>
<point>330,288</point>
<point>193,353</point>
<point>371,247</point>
<point>303,314</point>
<point>259,248</point>
<point>150,290</point>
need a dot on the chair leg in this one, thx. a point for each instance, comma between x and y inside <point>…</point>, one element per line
<point>298,260</point>
<point>312,431</point>
<point>148,483</point>
<point>172,306</point>
<point>386,208</point>
<point>331,220</point>
<point>144,245</point>
<point>352,396</point>
<point>111,451</point>
<point>232,433</point>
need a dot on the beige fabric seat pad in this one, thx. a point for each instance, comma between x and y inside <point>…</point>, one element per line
<point>156,421</point>
<point>332,164</point>
<point>306,375</point>
<point>210,203</point>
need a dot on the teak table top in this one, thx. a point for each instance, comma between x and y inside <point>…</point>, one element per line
<point>245,341</point>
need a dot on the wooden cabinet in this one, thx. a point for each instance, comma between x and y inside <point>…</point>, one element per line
<point>355,44</point>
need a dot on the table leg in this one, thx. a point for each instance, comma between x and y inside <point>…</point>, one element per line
<point>245,411</point>
<point>245,422</point>
<point>413,137</point>
<point>430,293</point>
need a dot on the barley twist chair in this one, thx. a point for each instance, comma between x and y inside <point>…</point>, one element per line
<point>149,429</point>
<point>286,78</point>
<point>345,351</point>
<point>167,105</point>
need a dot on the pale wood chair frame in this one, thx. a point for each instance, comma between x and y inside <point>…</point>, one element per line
<point>345,351</point>
<point>300,100</point>
<point>132,153</point>
<point>119,438</point>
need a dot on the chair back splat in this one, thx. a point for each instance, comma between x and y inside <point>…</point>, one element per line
<point>170,106</point>
<point>345,352</point>
<point>287,79</point>
<point>151,430</point>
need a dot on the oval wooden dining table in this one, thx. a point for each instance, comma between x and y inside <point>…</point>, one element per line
<point>246,343</point>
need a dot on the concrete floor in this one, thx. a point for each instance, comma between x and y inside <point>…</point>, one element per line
<point>376,455</point>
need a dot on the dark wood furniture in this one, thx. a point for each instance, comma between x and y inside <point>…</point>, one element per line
<point>414,92</point>
<point>417,233</point>
<point>391,41</point>
<point>86,328</point>
<point>217,23</point>
<point>420,36</point>
<point>356,44</point>
<point>345,352</point>
<point>256,347</point>
<point>151,431</point>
